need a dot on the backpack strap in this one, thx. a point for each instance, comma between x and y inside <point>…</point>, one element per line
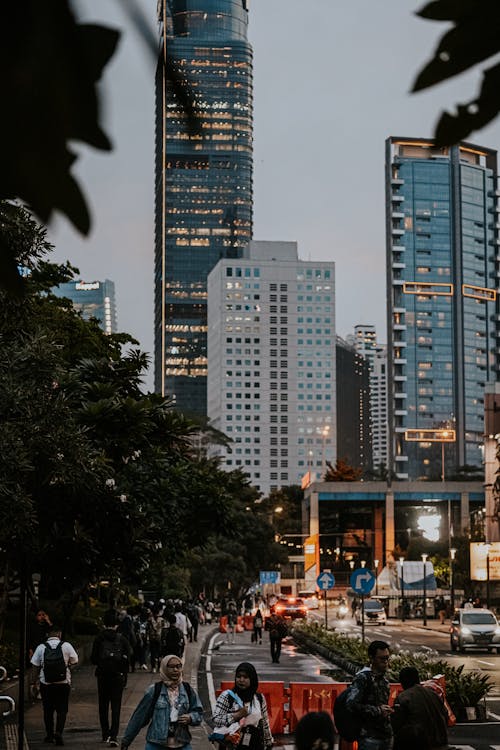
<point>189,691</point>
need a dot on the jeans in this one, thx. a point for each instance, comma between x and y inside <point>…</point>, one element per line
<point>110,690</point>
<point>371,743</point>
<point>55,699</point>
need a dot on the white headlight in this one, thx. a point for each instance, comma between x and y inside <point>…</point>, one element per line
<point>466,631</point>
<point>497,631</point>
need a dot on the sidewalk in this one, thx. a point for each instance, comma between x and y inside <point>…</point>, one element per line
<point>434,625</point>
<point>82,725</point>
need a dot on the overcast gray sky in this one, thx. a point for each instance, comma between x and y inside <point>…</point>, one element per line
<point>331,82</point>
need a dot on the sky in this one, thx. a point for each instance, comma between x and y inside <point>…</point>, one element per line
<point>331,83</point>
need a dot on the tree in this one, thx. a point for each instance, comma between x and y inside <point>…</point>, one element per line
<point>342,472</point>
<point>473,39</point>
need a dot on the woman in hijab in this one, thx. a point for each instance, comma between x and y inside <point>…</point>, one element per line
<point>242,710</point>
<point>169,707</point>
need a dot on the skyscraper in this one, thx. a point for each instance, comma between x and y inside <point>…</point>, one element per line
<point>93,299</point>
<point>271,374</point>
<point>442,252</point>
<point>354,440</point>
<point>203,187</point>
<point>365,342</point>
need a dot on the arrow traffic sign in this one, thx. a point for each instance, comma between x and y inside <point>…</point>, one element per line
<point>362,581</point>
<point>325,581</point>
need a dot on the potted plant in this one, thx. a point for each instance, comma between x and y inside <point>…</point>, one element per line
<point>465,691</point>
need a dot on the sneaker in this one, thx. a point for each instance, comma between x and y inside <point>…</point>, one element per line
<point>145,667</point>
<point>58,739</point>
<point>113,742</point>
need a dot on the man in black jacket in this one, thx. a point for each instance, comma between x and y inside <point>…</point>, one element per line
<point>419,720</point>
<point>368,700</point>
<point>111,654</point>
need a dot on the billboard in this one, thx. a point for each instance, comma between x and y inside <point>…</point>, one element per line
<point>479,563</point>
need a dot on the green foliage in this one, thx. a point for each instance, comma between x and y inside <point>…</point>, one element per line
<point>462,688</point>
<point>9,658</point>
<point>472,39</point>
<point>342,472</point>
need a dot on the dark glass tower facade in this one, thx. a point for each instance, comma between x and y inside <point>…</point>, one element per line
<point>203,190</point>
<point>442,264</point>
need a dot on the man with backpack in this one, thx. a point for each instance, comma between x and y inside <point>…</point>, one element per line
<point>111,653</point>
<point>367,701</point>
<point>53,660</point>
<point>277,628</point>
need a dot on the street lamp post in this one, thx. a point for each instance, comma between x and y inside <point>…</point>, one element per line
<point>375,563</point>
<point>488,546</point>
<point>453,552</point>
<point>324,434</point>
<point>401,560</point>
<point>424,560</point>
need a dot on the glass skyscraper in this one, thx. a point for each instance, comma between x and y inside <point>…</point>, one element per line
<point>93,299</point>
<point>443,322</point>
<point>203,188</point>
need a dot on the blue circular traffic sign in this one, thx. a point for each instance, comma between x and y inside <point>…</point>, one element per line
<point>362,581</point>
<point>325,581</point>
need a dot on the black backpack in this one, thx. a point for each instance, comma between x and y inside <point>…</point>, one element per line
<point>54,665</point>
<point>172,641</point>
<point>112,660</point>
<point>346,721</point>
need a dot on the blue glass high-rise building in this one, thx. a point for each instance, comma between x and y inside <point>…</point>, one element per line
<point>203,189</point>
<point>443,322</point>
<point>93,299</point>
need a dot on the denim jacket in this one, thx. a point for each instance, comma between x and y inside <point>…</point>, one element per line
<point>158,727</point>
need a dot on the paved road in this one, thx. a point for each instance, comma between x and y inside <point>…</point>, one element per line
<point>221,659</point>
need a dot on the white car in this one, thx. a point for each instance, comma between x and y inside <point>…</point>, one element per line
<point>474,628</point>
<point>374,612</point>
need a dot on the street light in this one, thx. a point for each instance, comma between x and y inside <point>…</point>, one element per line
<point>453,552</point>
<point>375,563</point>
<point>424,560</point>
<point>324,434</point>
<point>401,560</point>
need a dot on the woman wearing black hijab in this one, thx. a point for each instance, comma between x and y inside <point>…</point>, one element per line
<point>243,710</point>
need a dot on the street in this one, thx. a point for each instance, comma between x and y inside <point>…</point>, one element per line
<point>221,659</point>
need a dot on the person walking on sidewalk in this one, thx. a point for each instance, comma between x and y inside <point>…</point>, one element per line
<point>277,628</point>
<point>419,720</point>
<point>111,653</point>
<point>368,700</point>
<point>258,622</point>
<point>169,707</point>
<point>242,710</point>
<point>53,660</point>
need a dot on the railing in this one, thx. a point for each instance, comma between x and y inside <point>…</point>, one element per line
<point>6,698</point>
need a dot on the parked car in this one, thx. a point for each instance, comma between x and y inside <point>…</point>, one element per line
<point>474,628</point>
<point>291,607</point>
<point>374,612</point>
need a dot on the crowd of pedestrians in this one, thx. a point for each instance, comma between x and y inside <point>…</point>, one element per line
<point>153,637</point>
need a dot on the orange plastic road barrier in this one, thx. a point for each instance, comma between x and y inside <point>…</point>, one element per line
<point>248,622</point>
<point>312,696</point>
<point>239,625</point>
<point>223,624</point>
<point>274,693</point>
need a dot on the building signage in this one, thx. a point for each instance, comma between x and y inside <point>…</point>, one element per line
<point>269,576</point>
<point>85,286</point>
<point>481,560</point>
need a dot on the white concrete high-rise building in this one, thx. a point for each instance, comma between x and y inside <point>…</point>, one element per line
<point>365,342</point>
<point>271,363</point>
